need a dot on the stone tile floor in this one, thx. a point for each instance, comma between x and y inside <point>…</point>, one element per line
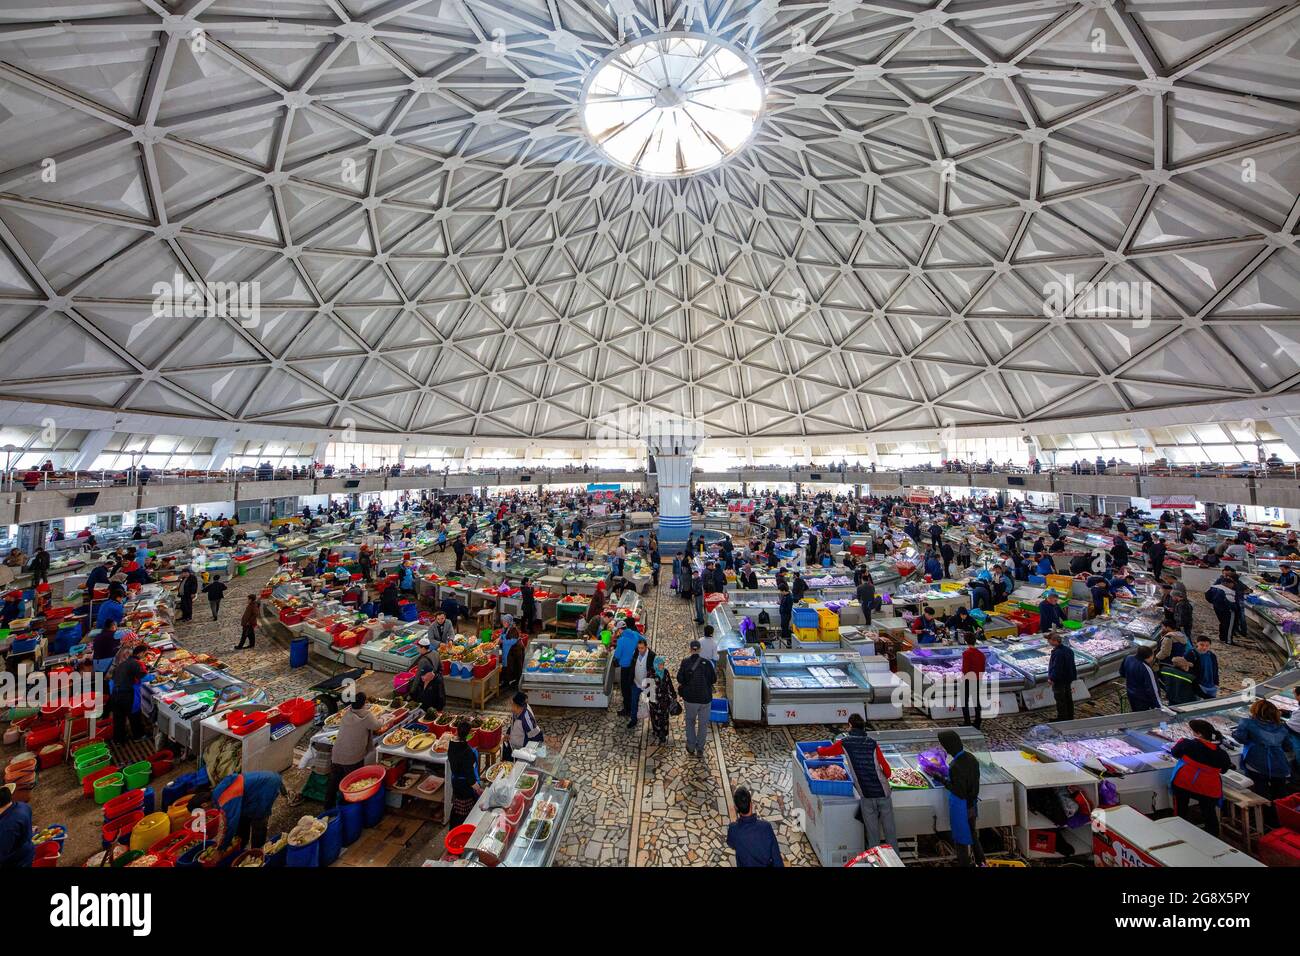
<point>639,803</point>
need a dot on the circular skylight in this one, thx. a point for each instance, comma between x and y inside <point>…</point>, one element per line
<point>672,105</point>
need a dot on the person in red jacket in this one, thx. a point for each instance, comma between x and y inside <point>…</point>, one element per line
<point>1198,776</point>
<point>972,672</point>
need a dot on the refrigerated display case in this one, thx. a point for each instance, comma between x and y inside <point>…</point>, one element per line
<point>1032,655</point>
<point>814,687</point>
<point>919,798</point>
<point>568,674</point>
<point>931,673</point>
<point>1106,643</point>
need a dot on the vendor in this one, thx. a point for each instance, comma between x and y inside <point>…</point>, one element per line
<point>428,687</point>
<point>1198,776</point>
<point>963,786</point>
<point>462,768</point>
<point>245,799</point>
<point>926,627</point>
<point>16,848</point>
<point>524,731</point>
<point>1288,580</point>
<point>1049,613</point>
<point>104,649</point>
<point>12,609</point>
<point>356,727</point>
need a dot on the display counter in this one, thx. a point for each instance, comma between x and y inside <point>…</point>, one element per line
<point>814,687</point>
<point>918,795</point>
<point>568,674</point>
<point>934,675</point>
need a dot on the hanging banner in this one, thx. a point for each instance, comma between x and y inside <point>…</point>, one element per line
<point>741,506</point>
<point>918,497</point>
<point>1164,502</point>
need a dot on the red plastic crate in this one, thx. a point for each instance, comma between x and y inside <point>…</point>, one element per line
<point>1279,848</point>
<point>1288,811</point>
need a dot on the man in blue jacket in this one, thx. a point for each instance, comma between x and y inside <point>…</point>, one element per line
<point>624,655</point>
<point>753,839</point>
<point>1205,668</point>
<point>1140,680</point>
<point>1049,613</point>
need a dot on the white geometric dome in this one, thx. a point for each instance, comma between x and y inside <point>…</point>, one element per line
<point>440,248</point>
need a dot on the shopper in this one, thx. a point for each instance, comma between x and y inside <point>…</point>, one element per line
<point>215,590</point>
<point>357,726</point>
<point>462,769</point>
<point>973,663</point>
<point>527,605</point>
<point>524,730</point>
<point>872,772</point>
<point>662,697</point>
<point>458,547</point>
<point>1140,685</point>
<point>1198,775</point>
<point>963,785</point>
<point>123,701</point>
<point>16,847</point>
<point>709,646</point>
<point>866,594</point>
<point>624,653</point>
<point>1204,668</point>
<point>697,595</point>
<point>1223,599</point>
<point>1267,741</point>
<point>189,589</point>
<point>753,839</point>
<point>1061,673</point>
<point>40,567</point>
<point>248,623</point>
<point>643,662</point>
<point>695,679</point>
<point>786,610</point>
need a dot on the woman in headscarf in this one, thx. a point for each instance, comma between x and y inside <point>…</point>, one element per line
<point>658,690</point>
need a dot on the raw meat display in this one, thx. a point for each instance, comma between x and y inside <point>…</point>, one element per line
<point>831,772</point>
<point>905,778</point>
<point>1100,643</point>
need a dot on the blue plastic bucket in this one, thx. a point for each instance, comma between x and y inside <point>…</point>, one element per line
<point>352,819</point>
<point>298,652</point>
<point>331,841</point>
<point>308,855</point>
<point>374,808</point>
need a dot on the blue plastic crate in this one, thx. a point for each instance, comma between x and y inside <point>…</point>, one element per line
<point>746,666</point>
<point>828,788</point>
<point>719,710</point>
<point>808,749</point>
<point>804,617</point>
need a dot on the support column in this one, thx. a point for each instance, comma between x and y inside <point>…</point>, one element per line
<point>221,450</point>
<point>1288,432</point>
<point>92,446</point>
<point>673,446</point>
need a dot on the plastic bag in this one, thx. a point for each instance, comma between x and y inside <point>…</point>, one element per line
<point>933,762</point>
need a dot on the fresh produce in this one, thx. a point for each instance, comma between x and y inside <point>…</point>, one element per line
<point>539,830</point>
<point>399,737</point>
<point>499,769</point>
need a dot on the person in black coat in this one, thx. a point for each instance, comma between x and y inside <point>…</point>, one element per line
<point>189,589</point>
<point>1140,680</point>
<point>1062,673</point>
<point>215,590</point>
<point>40,567</point>
<point>866,594</point>
<point>1050,615</point>
<point>786,611</point>
<point>527,604</point>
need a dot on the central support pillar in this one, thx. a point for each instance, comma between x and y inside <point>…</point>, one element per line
<point>673,449</point>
